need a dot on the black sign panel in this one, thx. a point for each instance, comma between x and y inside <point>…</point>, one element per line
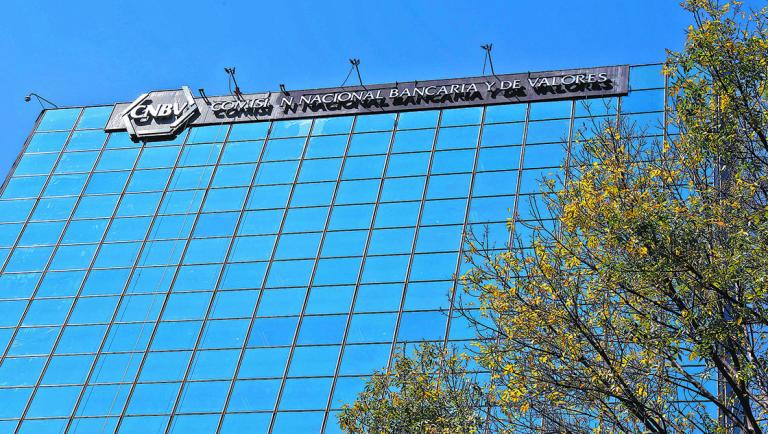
<point>414,95</point>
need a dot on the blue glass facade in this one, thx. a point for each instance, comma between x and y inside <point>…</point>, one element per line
<point>247,277</point>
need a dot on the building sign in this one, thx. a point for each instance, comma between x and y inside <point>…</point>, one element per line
<point>158,114</point>
<point>162,114</point>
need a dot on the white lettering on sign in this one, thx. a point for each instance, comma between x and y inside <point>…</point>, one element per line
<point>149,111</point>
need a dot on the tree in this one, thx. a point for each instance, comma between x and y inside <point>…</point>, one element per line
<point>431,392</point>
<point>646,309</point>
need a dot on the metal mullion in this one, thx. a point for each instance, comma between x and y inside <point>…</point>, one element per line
<point>53,252</point>
<point>173,278</point>
<point>567,163</point>
<point>618,111</point>
<point>415,239</point>
<point>268,267</point>
<point>665,132</point>
<point>211,303</point>
<point>40,196</point>
<point>76,297</point>
<point>302,314</point>
<point>358,282</point>
<point>24,150</point>
<point>464,231</point>
<point>513,226</point>
<point>130,275</point>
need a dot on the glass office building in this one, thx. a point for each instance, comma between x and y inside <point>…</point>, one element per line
<point>247,277</point>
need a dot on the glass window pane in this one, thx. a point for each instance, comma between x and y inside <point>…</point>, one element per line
<point>316,330</point>
<point>314,361</point>
<point>208,134</point>
<point>420,326</point>
<point>417,119</point>
<point>15,210</point>
<point>391,241</point>
<point>254,395</point>
<point>214,364</point>
<point>121,159</point>
<point>548,131</point>
<point>218,224</point>
<point>320,170</point>
<point>458,137</point>
<point>241,152</point>
<point>329,299</point>
<point>35,164</point>
<point>225,199</point>
<point>47,142</point>
<point>276,173</point>
<point>291,128</point>
<point>505,113</point>
<point>198,155</point>
<point>364,167</point>
<point>225,333</point>
<point>65,185</point>
<point>444,212</point>
<point>503,158</point>
<point>153,398</point>
<point>401,189</point>
<point>53,401</point>
<point>326,146</point>
<point>59,119</point>
<point>313,194</point>
<point>408,164</point>
<point>337,271</point>
<point>269,332</point>
<point>385,269</point>
<point>377,327</point>
<point>448,186</point>
<point>86,140</point>
<point>276,302</point>
<point>336,125</point>
<point>208,396</point>
<point>495,183</point>
<point>415,140</point>
<point>24,187</point>
<point>264,362</point>
<point>176,335</point>
<point>453,161</point>
<point>284,149</point>
<point>74,162</point>
<point>94,117</point>
<point>347,243</point>
<point>351,217</point>
<point>121,140</point>
<point>109,182</point>
<point>357,191</point>
<point>128,229</point>
<point>165,366</point>
<point>503,134</point>
<point>551,110</point>
<point>249,131</point>
<point>462,116</point>
<point>364,359</point>
<point>92,206</point>
<point>234,304</point>
<point>191,177</point>
<point>234,175</point>
<point>377,122</point>
<point>370,143</point>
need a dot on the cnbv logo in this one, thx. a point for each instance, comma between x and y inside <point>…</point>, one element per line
<point>160,114</point>
<point>147,110</point>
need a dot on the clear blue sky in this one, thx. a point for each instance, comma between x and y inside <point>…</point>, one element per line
<point>103,51</point>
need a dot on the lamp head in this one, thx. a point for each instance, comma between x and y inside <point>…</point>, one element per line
<point>28,98</point>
